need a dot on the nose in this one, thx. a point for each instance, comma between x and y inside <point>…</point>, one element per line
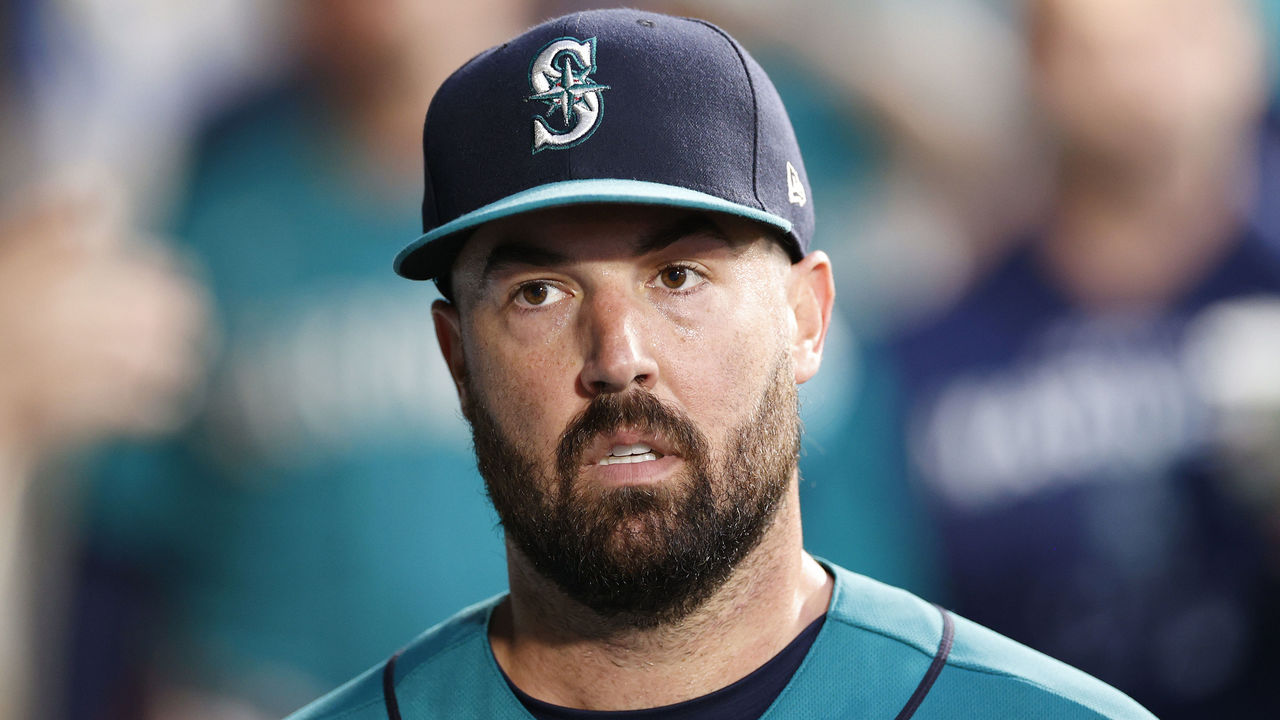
<point>617,347</point>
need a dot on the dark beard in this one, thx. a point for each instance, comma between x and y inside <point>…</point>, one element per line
<point>645,555</point>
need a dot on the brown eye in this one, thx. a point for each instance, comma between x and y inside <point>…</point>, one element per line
<point>534,293</point>
<point>675,277</point>
<point>539,294</point>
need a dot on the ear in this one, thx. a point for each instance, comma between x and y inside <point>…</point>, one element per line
<point>811,294</point>
<point>449,334</point>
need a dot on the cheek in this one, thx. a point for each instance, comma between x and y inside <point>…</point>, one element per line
<point>718,371</point>
<point>715,389</point>
<point>527,384</point>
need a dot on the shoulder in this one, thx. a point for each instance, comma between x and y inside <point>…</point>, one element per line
<point>359,699</point>
<point>985,674</point>
<point>438,653</point>
<point>1016,679</point>
<point>1251,267</point>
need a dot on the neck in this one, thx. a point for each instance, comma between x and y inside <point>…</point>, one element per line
<point>1134,238</point>
<point>560,651</point>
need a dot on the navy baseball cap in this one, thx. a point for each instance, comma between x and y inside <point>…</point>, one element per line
<point>607,106</point>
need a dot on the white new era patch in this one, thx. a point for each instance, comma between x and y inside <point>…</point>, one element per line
<point>795,188</point>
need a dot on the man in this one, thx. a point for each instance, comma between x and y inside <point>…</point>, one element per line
<point>617,212</point>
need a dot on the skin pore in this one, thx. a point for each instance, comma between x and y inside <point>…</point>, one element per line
<point>568,309</point>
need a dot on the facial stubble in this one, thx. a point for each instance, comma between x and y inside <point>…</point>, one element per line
<point>645,555</point>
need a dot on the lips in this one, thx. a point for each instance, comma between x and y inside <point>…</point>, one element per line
<point>628,438</point>
<point>633,453</point>
<point>625,448</point>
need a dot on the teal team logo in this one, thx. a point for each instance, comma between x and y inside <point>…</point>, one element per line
<point>561,77</point>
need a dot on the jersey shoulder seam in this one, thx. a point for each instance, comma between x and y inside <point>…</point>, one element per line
<point>431,658</point>
<point>986,670</point>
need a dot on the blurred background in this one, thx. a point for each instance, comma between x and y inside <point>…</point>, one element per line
<point>233,473</point>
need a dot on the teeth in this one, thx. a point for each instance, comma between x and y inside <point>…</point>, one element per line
<point>624,450</point>
<point>622,454</point>
<point>645,457</point>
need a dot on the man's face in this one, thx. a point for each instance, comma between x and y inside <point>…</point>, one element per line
<point>630,377</point>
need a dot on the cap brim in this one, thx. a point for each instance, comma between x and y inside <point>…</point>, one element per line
<point>429,255</point>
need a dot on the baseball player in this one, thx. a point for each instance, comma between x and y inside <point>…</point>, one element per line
<point>617,214</point>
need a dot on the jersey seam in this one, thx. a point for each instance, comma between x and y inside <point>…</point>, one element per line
<point>790,687</point>
<point>961,665</point>
<point>431,659</point>
<point>1024,680</point>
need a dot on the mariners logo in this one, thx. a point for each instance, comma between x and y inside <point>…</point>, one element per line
<point>561,77</point>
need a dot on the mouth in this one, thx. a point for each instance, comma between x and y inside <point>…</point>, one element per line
<point>626,447</point>
<point>629,456</point>
<point>630,453</point>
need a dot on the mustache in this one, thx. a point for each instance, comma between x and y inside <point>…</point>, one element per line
<point>639,410</point>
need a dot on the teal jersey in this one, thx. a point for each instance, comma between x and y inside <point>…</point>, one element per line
<point>877,644</point>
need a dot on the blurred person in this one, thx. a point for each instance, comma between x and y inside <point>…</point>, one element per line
<point>1058,418</point>
<point>237,570</point>
<point>101,335</point>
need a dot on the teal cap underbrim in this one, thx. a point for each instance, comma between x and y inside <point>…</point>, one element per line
<point>431,254</point>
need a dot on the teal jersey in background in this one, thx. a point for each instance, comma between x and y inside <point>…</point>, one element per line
<point>324,505</point>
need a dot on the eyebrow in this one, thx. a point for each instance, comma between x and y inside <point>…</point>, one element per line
<point>686,226</point>
<point>520,252</point>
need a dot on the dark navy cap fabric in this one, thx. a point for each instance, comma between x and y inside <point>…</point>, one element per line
<point>607,106</point>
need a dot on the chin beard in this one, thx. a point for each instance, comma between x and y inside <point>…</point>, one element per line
<point>650,555</point>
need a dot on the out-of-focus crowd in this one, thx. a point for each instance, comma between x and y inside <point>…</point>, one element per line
<point>232,468</point>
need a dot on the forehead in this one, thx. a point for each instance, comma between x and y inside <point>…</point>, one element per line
<point>598,232</point>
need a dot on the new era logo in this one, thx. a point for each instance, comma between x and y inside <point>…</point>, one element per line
<point>795,188</point>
